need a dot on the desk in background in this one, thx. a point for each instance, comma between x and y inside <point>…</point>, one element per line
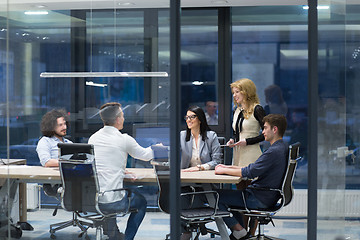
<point>4,161</point>
<point>22,186</point>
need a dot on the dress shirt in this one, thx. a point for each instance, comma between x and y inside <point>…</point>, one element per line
<point>47,148</point>
<point>268,171</point>
<point>111,152</point>
<point>211,120</point>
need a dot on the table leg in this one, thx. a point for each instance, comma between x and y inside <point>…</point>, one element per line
<point>222,229</point>
<point>219,221</point>
<point>24,225</point>
<point>22,202</point>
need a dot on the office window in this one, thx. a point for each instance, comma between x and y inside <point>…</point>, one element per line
<point>199,61</point>
<point>269,46</point>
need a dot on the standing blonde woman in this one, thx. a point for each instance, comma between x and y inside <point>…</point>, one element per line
<point>247,123</point>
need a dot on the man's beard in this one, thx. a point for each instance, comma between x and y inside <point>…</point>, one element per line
<point>63,134</point>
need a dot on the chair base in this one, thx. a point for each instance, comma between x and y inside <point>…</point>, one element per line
<point>263,237</point>
<point>84,226</point>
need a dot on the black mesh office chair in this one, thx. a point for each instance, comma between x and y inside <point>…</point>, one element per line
<point>264,216</point>
<point>66,152</point>
<point>81,189</point>
<point>194,218</point>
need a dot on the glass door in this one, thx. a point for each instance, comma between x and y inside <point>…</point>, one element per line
<point>338,178</point>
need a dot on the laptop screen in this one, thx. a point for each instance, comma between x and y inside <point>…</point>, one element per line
<point>76,151</point>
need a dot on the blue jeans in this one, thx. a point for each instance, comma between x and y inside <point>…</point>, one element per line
<point>136,201</point>
<point>233,198</point>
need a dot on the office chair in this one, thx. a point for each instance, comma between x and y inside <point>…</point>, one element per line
<point>203,229</point>
<point>194,217</point>
<point>264,216</point>
<point>81,190</point>
<point>55,190</point>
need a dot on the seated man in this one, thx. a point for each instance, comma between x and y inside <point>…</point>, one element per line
<point>53,127</point>
<point>268,171</point>
<point>111,152</point>
<point>211,113</point>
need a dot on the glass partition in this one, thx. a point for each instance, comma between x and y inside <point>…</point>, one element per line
<point>199,62</point>
<point>269,44</point>
<point>271,50</point>
<point>35,39</point>
<point>338,180</point>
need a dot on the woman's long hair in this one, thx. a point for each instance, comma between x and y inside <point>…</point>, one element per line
<point>248,89</point>
<point>204,127</point>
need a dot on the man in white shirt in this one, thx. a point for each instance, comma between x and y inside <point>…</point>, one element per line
<point>111,152</point>
<point>211,113</point>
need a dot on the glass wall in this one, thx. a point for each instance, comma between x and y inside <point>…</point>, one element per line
<point>199,61</point>
<point>68,39</point>
<point>338,167</point>
<point>272,51</point>
<point>269,44</point>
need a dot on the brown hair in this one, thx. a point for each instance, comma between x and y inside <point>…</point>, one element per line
<point>49,121</point>
<point>277,120</point>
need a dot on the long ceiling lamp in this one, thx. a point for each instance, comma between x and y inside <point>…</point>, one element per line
<point>101,74</point>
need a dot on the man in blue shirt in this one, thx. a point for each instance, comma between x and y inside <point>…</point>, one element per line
<point>268,171</point>
<point>53,127</point>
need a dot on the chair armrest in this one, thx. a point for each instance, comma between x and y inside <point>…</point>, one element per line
<point>193,194</point>
<point>264,189</point>
<point>258,189</point>
<point>129,190</point>
<point>208,210</point>
<point>119,189</point>
<point>159,163</point>
<point>115,190</point>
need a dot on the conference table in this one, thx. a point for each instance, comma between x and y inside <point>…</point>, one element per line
<point>38,174</point>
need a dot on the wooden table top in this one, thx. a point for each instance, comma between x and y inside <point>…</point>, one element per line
<point>42,174</point>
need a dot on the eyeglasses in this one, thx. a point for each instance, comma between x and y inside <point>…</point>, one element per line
<point>191,117</point>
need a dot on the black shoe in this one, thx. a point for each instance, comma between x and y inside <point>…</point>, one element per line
<point>232,237</point>
<point>248,235</point>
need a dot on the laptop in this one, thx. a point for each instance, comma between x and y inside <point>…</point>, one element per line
<point>76,152</point>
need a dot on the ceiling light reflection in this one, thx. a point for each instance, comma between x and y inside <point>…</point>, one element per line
<point>36,12</point>
<point>324,7</point>
<point>91,83</point>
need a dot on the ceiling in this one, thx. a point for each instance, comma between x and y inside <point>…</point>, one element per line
<point>106,4</point>
<point>270,22</point>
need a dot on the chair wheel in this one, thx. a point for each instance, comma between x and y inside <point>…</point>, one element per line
<point>52,236</point>
<point>212,235</point>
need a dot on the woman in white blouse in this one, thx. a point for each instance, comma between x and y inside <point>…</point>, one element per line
<point>200,151</point>
<point>200,148</point>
